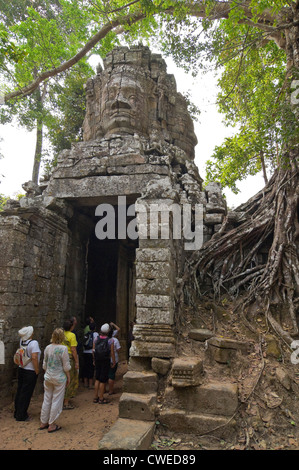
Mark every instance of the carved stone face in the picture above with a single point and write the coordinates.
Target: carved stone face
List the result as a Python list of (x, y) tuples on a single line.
[(124, 105), (134, 94)]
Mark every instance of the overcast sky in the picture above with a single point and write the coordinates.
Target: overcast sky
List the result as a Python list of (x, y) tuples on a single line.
[(17, 146)]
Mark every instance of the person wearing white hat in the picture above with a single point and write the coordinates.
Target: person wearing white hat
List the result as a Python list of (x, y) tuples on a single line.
[(103, 351), (27, 375)]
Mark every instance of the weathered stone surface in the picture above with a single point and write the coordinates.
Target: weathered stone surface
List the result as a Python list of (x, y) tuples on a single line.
[(216, 398), (153, 340), (154, 301), (154, 286), (147, 315), (223, 350), (199, 334), (212, 219), (151, 348), (128, 434), (228, 343), (139, 144), (133, 88), (180, 421), (32, 269), (152, 270), (160, 366), (140, 382), (152, 255), (187, 372), (215, 208), (137, 406), (140, 364)]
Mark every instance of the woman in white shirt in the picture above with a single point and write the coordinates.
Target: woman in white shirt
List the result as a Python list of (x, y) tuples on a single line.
[(57, 366), (27, 375)]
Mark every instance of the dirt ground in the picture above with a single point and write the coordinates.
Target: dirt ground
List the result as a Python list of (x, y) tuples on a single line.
[(82, 427), (267, 417)]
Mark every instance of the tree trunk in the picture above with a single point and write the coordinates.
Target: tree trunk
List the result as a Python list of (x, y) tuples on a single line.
[(232, 260), (39, 99), (38, 150), (263, 167)]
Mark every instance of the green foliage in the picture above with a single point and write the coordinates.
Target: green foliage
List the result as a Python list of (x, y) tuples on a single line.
[(65, 119), (46, 34), (38, 36), (3, 200), (251, 100), (238, 157), (8, 49)]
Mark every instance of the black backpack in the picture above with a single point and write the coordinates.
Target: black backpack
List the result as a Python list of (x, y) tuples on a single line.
[(88, 340), (102, 349)]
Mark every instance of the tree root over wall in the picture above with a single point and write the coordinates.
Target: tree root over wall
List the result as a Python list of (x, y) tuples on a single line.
[(230, 259)]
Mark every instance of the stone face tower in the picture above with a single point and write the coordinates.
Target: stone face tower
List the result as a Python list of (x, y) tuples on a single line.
[(68, 246)]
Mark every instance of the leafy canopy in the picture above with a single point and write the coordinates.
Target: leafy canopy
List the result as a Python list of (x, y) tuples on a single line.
[(41, 41)]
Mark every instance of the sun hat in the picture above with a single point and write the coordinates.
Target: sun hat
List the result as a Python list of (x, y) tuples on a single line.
[(105, 328), (26, 332)]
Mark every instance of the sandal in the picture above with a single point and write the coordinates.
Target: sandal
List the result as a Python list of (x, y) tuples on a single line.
[(43, 427), (103, 402), (57, 428), (96, 400)]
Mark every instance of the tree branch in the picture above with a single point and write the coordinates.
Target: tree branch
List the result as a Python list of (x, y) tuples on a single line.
[(197, 9), (29, 89)]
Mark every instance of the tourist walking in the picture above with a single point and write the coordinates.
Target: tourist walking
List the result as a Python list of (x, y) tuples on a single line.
[(71, 342), (113, 369), (27, 374), (88, 366), (103, 353), (57, 365)]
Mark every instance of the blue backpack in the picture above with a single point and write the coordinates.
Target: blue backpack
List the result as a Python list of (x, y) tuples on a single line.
[(88, 340)]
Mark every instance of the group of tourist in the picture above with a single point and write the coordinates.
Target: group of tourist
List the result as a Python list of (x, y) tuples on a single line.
[(61, 369)]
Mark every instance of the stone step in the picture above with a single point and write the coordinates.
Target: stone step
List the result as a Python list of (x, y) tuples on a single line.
[(213, 398), (137, 406), (228, 343), (223, 350), (140, 382), (200, 334), (196, 423), (128, 434)]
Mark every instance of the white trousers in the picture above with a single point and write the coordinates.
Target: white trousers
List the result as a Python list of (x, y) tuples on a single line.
[(53, 402)]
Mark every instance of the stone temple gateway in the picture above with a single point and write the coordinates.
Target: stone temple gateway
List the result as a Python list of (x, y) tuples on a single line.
[(138, 149)]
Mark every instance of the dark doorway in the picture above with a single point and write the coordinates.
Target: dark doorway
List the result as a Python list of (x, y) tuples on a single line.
[(102, 260), (110, 285)]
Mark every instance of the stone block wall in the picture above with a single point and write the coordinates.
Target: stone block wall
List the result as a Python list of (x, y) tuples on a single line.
[(32, 276)]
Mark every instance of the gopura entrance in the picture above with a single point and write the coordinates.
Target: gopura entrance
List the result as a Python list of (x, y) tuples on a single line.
[(139, 145), (100, 275)]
